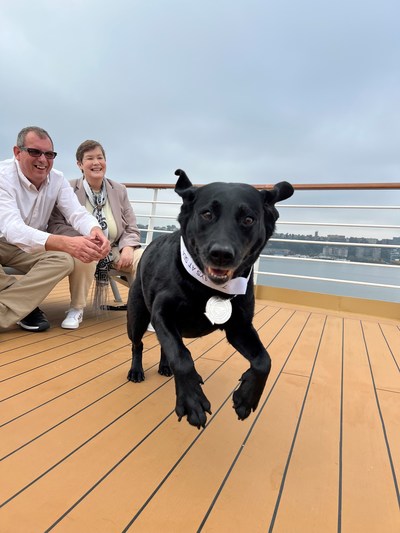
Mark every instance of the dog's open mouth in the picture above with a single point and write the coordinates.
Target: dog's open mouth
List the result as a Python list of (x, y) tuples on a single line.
[(219, 275)]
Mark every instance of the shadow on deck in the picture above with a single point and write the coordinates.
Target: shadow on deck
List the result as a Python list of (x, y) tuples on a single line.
[(84, 450)]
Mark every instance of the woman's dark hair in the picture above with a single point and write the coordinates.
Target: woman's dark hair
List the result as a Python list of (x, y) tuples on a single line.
[(86, 146)]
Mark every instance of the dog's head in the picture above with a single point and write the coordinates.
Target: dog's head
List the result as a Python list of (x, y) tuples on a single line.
[(225, 226)]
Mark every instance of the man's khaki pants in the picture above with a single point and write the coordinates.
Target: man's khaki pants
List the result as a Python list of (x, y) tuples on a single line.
[(20, 295)]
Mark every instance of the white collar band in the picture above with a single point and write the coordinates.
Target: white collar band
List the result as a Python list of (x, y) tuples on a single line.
[(233, 286)]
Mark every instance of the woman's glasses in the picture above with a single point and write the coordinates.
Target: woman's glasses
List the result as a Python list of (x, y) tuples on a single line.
[(34, 152)]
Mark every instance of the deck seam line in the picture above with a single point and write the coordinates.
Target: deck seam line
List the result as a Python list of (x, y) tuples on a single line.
[(387, 390), (341, 418), (296, 374)]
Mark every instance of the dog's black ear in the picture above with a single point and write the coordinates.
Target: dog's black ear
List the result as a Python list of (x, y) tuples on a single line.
[(184, 186), (281, 191)]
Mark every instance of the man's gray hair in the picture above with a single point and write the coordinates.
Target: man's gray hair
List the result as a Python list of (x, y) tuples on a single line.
[(40, 132)]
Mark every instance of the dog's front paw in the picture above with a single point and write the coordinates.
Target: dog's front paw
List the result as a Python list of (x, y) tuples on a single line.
[(247, 396), (136, 374), (192, 403), (195, 408)]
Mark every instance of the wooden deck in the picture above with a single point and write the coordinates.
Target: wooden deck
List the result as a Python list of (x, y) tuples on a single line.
[(84, 450)]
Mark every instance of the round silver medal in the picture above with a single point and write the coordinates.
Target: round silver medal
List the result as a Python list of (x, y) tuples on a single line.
[(218, 310)]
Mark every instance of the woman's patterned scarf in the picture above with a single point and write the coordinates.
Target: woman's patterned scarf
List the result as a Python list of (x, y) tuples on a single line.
[(98, 201)]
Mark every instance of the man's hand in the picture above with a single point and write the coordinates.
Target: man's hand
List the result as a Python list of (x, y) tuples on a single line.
[(86, 249), (98, 237)]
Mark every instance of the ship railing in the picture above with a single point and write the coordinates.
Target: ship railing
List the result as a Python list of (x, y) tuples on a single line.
[(370, 222)]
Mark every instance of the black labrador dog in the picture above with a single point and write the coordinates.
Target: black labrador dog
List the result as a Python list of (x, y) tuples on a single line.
[(198, 279)]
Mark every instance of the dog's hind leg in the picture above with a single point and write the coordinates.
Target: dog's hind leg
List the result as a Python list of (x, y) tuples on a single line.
[(136, 372), (138, 319), (163, 368), (247, 342)]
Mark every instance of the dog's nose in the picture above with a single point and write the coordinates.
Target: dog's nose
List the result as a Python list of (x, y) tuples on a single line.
[(221, 255)]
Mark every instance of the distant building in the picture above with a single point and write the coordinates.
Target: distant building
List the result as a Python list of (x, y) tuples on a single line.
[(373, 254), (337, 238), (276, 251), (334, 252), (395, 255)]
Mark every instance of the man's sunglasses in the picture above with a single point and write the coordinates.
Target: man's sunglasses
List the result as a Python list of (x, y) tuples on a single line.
[(34, 152)]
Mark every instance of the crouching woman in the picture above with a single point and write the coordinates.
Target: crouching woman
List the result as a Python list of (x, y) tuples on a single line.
[(108, 201)]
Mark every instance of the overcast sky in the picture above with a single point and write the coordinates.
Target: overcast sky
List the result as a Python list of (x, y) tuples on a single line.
[(238, 90)]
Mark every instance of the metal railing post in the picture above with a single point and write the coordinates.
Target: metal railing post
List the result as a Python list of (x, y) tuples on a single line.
[(150, 227)]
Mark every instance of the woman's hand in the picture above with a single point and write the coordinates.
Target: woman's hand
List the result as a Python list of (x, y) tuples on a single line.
[(126, 259)]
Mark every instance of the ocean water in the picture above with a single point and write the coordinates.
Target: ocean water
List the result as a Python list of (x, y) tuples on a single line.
[(335, 270)]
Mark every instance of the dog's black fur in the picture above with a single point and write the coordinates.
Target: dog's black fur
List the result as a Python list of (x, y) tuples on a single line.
[(225, 227)]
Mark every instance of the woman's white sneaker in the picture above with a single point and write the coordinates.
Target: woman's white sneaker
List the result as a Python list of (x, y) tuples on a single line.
[(73, 319)]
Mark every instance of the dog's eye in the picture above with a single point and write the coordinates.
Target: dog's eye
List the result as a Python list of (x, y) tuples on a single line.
[(206, 215), (248, 221)]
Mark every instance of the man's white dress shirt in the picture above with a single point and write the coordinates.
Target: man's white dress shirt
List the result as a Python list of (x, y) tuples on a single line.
[(25, 211)]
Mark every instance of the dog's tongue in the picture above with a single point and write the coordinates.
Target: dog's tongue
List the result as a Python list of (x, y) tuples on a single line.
[(218, 275), (218, 272)]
